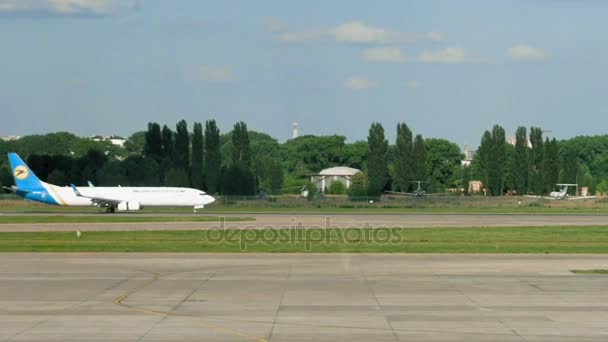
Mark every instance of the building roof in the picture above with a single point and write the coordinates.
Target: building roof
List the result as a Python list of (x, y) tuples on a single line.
[(339, 171)]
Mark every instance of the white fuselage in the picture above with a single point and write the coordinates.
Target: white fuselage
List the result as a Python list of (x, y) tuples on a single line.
[(144, 196)]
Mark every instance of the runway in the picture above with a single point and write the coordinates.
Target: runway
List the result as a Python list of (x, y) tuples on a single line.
[(282, 221), (301, 297)]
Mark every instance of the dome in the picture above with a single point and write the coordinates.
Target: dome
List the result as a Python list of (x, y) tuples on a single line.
[(339, 171)]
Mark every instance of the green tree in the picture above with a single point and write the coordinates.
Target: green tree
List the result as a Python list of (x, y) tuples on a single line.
[(354, 155), (269, 172), (182, 147), (520, 165), (167, 143), (359, 186), (570, 164), (239, 178), (177, 177), (311, 154), (197, 156), (153, 145), (419, 159), (483, 159), (113, 173), (135, 143), (551, 165), (377, 158), (403, 159), (141, 171), (337, 188), (466, 179), (58, 177), (443, 163), (536, 161), (213, 157), (497, 161), (241, 148)]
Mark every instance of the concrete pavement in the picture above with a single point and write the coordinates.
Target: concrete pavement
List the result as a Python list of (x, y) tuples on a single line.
[(301, 297), (338, 221)]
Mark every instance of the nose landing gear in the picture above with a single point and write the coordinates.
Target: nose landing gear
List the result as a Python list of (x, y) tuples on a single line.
[(110, 210)]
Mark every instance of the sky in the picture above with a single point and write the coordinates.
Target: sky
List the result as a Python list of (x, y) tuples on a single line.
[(449, 69)]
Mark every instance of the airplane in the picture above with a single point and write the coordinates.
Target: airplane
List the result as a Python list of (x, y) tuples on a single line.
[(30, 187), (562, 194), (419, 192)]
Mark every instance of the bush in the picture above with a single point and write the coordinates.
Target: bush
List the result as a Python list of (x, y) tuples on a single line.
[(359, 187), (337, 188)]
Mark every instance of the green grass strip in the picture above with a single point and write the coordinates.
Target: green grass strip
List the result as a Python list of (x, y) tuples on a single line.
[(590, 271), (109, 218), (593, 239)]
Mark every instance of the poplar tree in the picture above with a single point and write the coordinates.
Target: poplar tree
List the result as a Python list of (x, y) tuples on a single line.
[(239, 178), (182, 147), (213, 157), (483, 158), (535, 173), (153, 144), (403, 159), (196, 169), (520, 163), (167, 143), (240, 143), (377, 160), (419, 159), (497, 161), (551, 165)]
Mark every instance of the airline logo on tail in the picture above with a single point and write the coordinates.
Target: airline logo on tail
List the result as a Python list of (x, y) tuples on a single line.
[(21, 172)]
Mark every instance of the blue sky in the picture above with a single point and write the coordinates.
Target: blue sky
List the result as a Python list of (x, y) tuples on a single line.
[(447, 68)]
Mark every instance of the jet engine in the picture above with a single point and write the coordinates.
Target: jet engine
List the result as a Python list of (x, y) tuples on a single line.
[(129, 206)]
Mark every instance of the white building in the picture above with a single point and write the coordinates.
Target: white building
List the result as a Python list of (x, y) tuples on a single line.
[(115, 140), (10, 137), (343, 174)]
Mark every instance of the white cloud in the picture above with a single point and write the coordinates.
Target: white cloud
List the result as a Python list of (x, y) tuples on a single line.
[(447, 55), (216, 74), (384, 54), (359, 83), (394, 55), (526, 53), (434, 36), (357, 32), (67, 7), (353, 32)]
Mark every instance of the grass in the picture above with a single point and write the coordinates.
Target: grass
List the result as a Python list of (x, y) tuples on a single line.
[(436, 240), (590, 271), (290, 205), (103, 218)]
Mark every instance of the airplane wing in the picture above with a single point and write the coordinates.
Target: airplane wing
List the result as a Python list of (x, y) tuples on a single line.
[(11, 189), (400, 193), (98, 201), (581, 198), (539, 197)]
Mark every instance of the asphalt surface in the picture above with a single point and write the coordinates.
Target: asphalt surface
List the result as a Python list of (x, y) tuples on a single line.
[(301, 297), (282, 221)]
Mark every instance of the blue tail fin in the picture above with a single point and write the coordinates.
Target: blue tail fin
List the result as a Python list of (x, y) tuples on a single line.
[(25, 179)]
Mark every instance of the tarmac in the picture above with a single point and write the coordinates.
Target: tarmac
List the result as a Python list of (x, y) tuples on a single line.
[(289, 221), (301, 297)]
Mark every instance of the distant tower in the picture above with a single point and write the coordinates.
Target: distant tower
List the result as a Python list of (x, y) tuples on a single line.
[(296, 130)]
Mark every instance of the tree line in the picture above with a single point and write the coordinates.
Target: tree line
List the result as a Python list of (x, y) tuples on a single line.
[(533, 164), (246, 162)]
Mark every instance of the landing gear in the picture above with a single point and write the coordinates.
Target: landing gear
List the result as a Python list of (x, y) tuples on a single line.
[(110, 210)]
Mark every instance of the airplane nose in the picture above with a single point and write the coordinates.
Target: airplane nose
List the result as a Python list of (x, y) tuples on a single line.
[(209, 199)]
